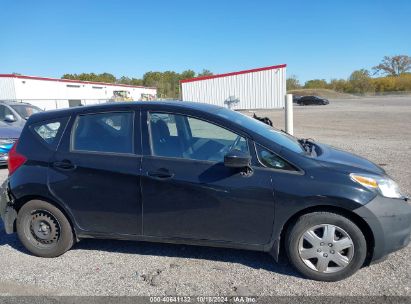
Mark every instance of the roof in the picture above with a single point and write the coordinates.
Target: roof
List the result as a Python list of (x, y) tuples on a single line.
[(119, 105), (273, 67), (13, 102), (71, 81)]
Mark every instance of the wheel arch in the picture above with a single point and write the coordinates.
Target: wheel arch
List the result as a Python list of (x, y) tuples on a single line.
[(278, 251), (20, 202)]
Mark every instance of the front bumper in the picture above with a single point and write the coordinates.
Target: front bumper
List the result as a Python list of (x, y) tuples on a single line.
[(390, 222), (7, 213), (4, 152), (4, 157)]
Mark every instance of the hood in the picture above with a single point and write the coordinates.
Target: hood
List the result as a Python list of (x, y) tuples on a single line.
[(9, 131), (345, 161)]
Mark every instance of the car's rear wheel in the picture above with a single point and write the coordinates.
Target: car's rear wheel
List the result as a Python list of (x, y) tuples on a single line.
[(43, 229), (326, 246)]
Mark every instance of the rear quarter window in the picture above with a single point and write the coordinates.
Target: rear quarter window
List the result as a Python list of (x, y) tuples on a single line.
[(50, 132)]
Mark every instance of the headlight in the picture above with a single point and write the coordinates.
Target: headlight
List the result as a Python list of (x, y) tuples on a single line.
[(384, 185)]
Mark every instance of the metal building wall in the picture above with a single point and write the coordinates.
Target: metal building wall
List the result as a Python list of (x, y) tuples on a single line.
[(49, 93), (262, 88), (7, 90)]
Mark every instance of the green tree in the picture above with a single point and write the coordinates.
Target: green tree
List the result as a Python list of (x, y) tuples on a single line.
[(106, 77), (124, 80), (68, 76), (167, 83), (293, 83), (136, 82), (316, 84), (187, 74), (204, 72), (361, 82), (339, 85)]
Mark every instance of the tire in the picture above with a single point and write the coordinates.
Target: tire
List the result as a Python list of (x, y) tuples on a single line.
[(308, 248), (43, 229)]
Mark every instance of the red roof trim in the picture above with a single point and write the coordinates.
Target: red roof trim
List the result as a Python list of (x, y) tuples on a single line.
[(273, 67), (71, 81)]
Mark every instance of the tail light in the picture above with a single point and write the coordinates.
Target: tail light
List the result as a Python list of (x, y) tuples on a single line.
[(15, 159)]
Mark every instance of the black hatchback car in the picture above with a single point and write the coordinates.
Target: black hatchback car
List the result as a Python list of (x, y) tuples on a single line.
[(198, 174), (312, 100)]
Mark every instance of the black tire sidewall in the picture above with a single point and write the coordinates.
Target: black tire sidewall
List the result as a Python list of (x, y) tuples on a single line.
[(309, 220), (65, 240)]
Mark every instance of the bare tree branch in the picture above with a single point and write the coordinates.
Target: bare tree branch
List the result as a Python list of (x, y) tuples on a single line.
[(393, 65)]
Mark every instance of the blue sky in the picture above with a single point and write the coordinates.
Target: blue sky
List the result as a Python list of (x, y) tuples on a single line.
[(316, 39)]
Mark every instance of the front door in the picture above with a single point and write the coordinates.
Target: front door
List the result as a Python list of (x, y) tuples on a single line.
[(96, 172), (189, 193)]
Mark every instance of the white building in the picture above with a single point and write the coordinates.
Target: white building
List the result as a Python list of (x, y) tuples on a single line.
[(51, 93), (262, 88)]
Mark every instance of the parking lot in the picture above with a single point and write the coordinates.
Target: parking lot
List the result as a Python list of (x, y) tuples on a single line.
[(376, 128)]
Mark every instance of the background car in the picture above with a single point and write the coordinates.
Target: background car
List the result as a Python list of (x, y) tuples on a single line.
[(312, 100), (296, 98), (13, 116), (16, 113), (8, 136)]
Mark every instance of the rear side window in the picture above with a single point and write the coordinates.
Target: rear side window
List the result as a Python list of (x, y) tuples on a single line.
[(50, 131), (104, 132)]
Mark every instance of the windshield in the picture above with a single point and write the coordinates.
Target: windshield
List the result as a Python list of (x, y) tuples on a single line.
[(25, 111), (279, 137)]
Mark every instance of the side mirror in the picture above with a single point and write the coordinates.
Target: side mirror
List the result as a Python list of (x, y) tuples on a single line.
[(237, 159), (10, 118)]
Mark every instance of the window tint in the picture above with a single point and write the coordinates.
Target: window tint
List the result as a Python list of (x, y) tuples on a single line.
[(50, 131), (104, 132), (272, 160), (186, 137)]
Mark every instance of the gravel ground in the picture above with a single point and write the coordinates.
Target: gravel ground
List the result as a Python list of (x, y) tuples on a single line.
[(378, 128)]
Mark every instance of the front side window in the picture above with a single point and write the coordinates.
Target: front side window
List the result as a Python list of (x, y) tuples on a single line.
[(279, 137), (191, 138), (104, 132), (272, 160)]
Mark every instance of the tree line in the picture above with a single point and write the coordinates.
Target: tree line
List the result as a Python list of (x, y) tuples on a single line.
[(391, 75), (167, 83)]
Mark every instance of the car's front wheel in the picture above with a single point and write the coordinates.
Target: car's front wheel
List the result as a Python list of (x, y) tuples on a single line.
[(326, 246), (43, 229)]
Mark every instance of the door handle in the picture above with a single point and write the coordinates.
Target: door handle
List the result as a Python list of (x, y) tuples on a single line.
[(64, 165), (160, 174)]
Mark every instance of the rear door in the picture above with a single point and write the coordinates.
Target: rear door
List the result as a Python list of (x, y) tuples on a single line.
[(96, 172)]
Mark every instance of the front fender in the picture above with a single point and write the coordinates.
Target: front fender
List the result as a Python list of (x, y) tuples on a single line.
[(285, 213)]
